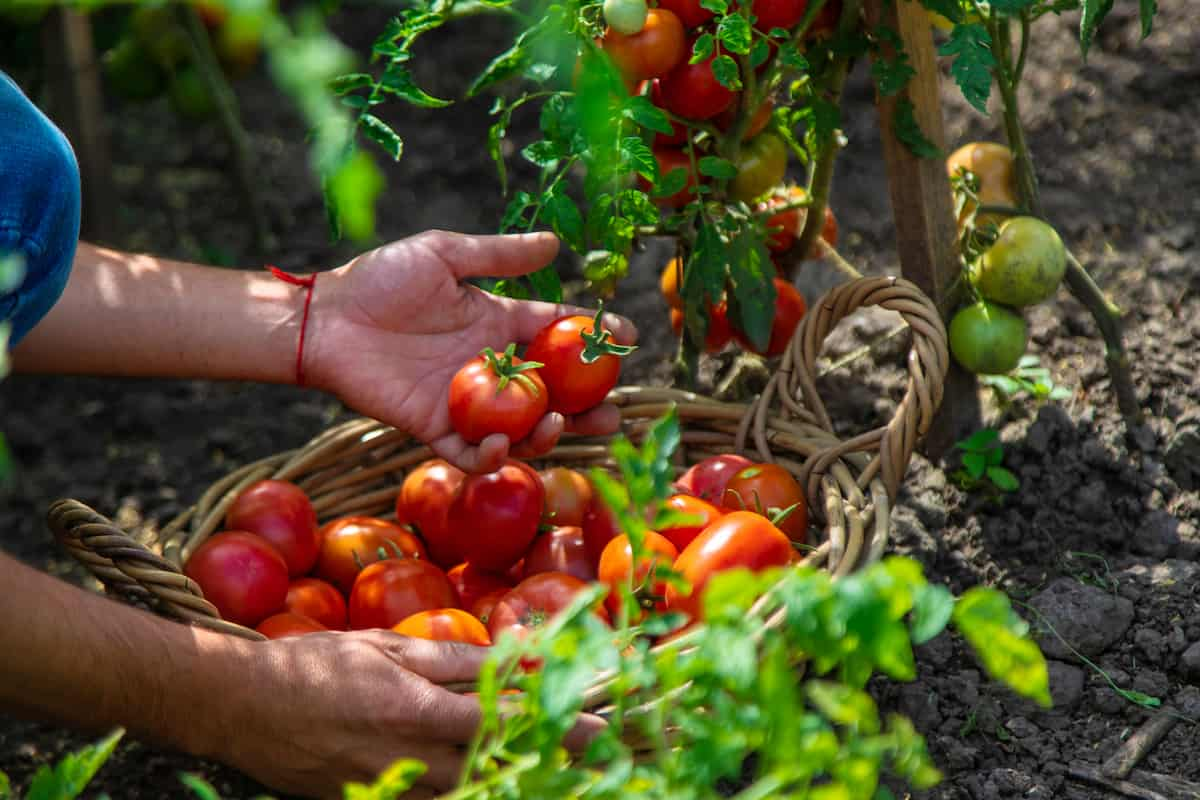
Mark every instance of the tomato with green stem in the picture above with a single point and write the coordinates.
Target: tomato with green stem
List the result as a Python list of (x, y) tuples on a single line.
[(708, 478), (987, 338), (495, 516), (1024, 266), (770, 490), (580, 362), (701, 513), (350, 543), (653, 51), (789, 310), (424, 502), (497, 394), (444, 625), (616, 570), (625, 16), (692, 91), (389, 591), (533, 602), (761, 164)]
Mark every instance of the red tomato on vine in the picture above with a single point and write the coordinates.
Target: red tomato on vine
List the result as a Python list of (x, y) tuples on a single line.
[(652, 51), (692, 91), (789, 310), (580, 363)]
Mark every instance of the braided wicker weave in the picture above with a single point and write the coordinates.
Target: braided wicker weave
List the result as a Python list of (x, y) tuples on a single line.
[(357, 467)]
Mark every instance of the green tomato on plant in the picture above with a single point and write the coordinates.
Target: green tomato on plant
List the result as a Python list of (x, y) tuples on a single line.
[(625, 16), (987, 338), (1024, 266), (761, 164)]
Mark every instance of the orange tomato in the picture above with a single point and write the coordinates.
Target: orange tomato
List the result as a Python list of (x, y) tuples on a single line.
[(445, 625), (616, 567), (317, 600), (287, 624)]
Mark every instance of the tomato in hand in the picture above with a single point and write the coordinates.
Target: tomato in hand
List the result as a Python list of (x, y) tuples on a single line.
[(350, 543), (616, 567), (778, 13), (471, 583), (444, 625), (692, 91), (704, 513), (708, 478), (690, 12), (738, 539), (669, 160), (599, 528), (580, 362), (495, 517), (650, 52), (568, 495), (533, 602), (497, 394), (241, 574), (789, 310), (317, 600), (987, 338), (560, 549), (281, 513), (287, 623), (389, 591), (481, 609), (761, 164), (767, 489), (424, 501), (719, 331)]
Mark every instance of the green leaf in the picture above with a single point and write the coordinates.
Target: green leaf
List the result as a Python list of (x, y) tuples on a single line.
[(398, 81), (843, 705), (752, 301), (1147, 10), (391, 783), (5, 787), (511, 62), (716, 6), (715, 167), (704, 278), (1002, 383), (909, 131), (495, 144), (972, 68), (759, 53), (1013, 7), (1003, 479), (932, 608), (891, 74), (70, 776), (514, 212), (344, 84), (547, 285), (635, 153), (790, 57), (646, 114), (541, 153), (725, 70), (734, 33), (974, 463), (1094, 12), (671, 183), (702, 48), (563, 215), (353, 188), (198, 786), (637, 207), (979, 440), (1001, 640), (381, 133)]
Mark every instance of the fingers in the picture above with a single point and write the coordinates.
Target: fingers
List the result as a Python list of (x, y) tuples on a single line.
[(437, 662), (487, 456), (490, 256), (599, 421), (542, 439)]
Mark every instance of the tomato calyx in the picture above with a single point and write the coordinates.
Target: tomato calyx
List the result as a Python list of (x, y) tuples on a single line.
[(599, 342), (506, 370)]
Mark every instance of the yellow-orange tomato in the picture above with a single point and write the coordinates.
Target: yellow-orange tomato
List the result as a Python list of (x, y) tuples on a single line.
[(616, 565), (444, 625), (669, 282), (995, 167), (287, 624), (349, 544)]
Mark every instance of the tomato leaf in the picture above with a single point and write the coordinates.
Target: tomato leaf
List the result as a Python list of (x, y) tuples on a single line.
[(734, 33), (391, 783), (511, 62), (1094, 12), (1003, 478), (1013, 7), (671, 183), (790, 57), (979, 440), (890, 74), (353, 187), (843, 705), (644, 113), (514, 212), (344, 84), (70, 776), (382, 134), (725, 70), (635, 152), (974, 463), (932, 608), (636, 206), (1147, 9), (715, 167), (752, 301), (398, 81), (495, 142), (715, 6), (972, 68), (1001, 641), (542, 153), (702, 48), (563, 215), (703, 278), (199, 787), (759, 53)]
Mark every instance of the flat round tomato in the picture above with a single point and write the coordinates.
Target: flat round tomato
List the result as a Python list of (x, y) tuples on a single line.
[(1024, 266), (471, 583), (616, 567), (444, 625), (650, 52), (494, 517), (708, 478), (670, 160), (389, 591), (738, 539), (703, 512), (599, 528), (625, 16), (995, 167), (497, 394), (317, 600), (241, 574), (670, 281), (481, 609), (692, 91), (561, 549), (568, 495), (424, 501), (350, 543), (789, 310), (719, 331), (766, 489), (533, 602), (987, 338), (280, 626), (778, 13), (690, 12), (580, 362), (281, 513), (761, 164)]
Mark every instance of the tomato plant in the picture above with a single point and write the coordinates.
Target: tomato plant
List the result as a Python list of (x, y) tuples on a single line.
[(568, 495), (424, 502), (391, 590), (761, 164), (444, 625), (719, 332), (317, 600), (579, 362), (241, 574), (281, 513), (652, 51), (690, 12), (497, 394), (560, 549), (494, 517), (350, 543), (692, 91)]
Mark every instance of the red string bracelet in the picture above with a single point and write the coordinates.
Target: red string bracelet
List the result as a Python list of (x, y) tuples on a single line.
[(308, 282)]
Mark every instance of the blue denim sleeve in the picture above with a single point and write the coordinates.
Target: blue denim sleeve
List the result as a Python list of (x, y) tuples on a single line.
[(39, 208)]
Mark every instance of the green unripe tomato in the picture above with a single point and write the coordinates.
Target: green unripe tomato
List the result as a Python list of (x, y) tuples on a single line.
[(987, 338), (761, 164), (1024, 266), (626, 16)]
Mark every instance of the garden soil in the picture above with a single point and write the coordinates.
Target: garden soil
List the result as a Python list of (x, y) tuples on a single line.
[(1101, 538)]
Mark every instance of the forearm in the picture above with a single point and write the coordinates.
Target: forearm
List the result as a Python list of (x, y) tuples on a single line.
[(85, 661), (140, 316)]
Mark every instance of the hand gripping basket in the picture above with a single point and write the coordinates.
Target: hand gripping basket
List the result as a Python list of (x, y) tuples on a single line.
[(357, 467)]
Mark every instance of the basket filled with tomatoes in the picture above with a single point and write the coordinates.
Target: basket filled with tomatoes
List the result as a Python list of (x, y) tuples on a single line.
[(364, 528)]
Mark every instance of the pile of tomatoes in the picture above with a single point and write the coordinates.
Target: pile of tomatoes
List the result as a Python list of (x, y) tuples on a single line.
[(468, 557)]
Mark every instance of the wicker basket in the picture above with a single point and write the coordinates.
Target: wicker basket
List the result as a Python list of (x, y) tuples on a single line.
[(357, 467)]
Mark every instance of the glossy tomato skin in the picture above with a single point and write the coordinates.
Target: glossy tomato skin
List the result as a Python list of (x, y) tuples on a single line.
[(765, 487), (281, 513), (471, 583), (481, 609), (690, 12), (784, 226), (669, 160), (650, 52), (761, 163), (574, 385), (692, 91), (670, 281), (444, 625), (389, 591), (719, 332), (789, 310), (995, 167), (533, 602), (561, 549), (679, 132), (599, 528), (241, 574), (350, 543), (708, 478), (616, 567), (317, 600), (988, 338), (568, 495), (494, 517), (704, 512), (424, 501), (738, 539), (479, 407), (287, 623), (778, 13)]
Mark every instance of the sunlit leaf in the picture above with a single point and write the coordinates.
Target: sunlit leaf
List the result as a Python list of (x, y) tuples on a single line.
[(1001, 640)]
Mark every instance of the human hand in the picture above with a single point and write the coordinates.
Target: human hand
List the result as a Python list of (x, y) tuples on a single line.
[(391, 328)]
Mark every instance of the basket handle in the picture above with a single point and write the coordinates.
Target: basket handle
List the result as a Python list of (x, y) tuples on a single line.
[(130, 569)]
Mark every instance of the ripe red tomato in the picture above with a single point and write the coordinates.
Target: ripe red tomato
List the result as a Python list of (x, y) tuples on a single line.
[(287, 623), (690, 12), (424, 501), (758, 122), (764, 488), (317, 600), (444, 625), (471, 583), (679, 132), (704, 512), (707, 479), (351, 543), (761, 163), (241, 574), (652, 51), (599, 528), (482, 608), (829, 231), (494, 517), (388, 591), (789, 310), (580, 362), (784, 226), (738, 539), (692, 91), (719, 331), (670, 160), (616, 565), (778, 13), (281, 513), (568, 495), (561, 549), (533, 602), (497, 394)]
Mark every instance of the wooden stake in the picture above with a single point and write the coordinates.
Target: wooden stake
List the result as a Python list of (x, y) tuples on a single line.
[(1135, 748)]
